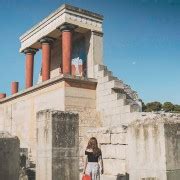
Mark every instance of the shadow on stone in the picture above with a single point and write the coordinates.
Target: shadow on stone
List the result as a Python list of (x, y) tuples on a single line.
[(122, 177)]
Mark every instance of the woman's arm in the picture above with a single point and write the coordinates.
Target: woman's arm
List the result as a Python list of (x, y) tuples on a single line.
[(101, 164), (85, 164)]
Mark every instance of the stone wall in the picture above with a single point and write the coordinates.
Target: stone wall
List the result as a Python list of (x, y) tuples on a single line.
[(18, 115), (57, 145), (153, 143), (18, 112), (83, 102), (172, 146), (9, 156), (112, 141), (146, 148)]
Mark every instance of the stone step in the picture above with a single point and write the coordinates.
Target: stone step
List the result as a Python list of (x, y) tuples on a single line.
[(114, 84), (99, 67), (106, 79), (103, 73), (110, 97)]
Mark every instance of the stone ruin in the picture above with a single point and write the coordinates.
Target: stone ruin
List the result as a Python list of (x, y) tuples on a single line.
[(77, 97)]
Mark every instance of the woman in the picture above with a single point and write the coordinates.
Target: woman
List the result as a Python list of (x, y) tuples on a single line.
[(93, 157)]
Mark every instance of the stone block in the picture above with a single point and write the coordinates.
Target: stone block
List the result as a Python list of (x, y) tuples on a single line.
[(83, 130), (118, 138), (119, 129), (127, 109), (106, 79), (108, 177), (113, 151), (101, 138), (102, 130), (114, 167), (9, 157), (76, 101), (103, 73), (89, 117), (114, 84), (99, 67), (57, 145), (81, 93)]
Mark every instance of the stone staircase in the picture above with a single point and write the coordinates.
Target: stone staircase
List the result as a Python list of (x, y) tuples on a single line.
[(115, 99)]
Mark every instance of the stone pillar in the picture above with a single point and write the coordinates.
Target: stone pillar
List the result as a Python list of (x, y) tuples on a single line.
[(2, 95), (57, 145), (14, 87), (67, 30), (30, 52), (46, 57)]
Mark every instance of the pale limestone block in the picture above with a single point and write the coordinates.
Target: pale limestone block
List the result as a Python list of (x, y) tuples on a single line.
[(117, 103), (81, 93), (116, 117), (99, 67), (118, 138), (127, 118), (76, 101), (114, 84), (114, 166), (113, 151), (100, 87), (106, 79), (127, 109), (109, 112), (103, 138), (89, 117), (103, 73), (108, 177), (119, 129), (120, 102), (120, 110), (102, 130), (83, 130), (104, 92)]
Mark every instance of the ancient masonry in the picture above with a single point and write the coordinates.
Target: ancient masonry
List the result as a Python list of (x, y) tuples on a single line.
[(77, 97)]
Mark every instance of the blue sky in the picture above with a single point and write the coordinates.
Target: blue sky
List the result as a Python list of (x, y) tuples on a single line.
[(141, 42)]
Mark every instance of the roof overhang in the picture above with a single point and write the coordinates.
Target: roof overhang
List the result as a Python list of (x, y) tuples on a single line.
[(83, 19)]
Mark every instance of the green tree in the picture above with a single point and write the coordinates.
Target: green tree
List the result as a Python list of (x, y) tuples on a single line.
[(168, 107), (153, 106), (177, 108)]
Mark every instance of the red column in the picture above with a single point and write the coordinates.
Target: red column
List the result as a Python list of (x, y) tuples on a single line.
[(2, 95), (29, 66), (67, 30), (14, 87), (46, 57)]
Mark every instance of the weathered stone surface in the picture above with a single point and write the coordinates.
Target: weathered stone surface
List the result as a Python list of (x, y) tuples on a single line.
[(108, 177), (9, 157), (114, 166), (57, 145), (119, 129), (102, 130), (114, 151), (118, 138), (172, 143), (153, 143)]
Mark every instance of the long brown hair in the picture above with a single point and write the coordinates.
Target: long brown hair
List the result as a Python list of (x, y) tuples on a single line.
[(93, 144)]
